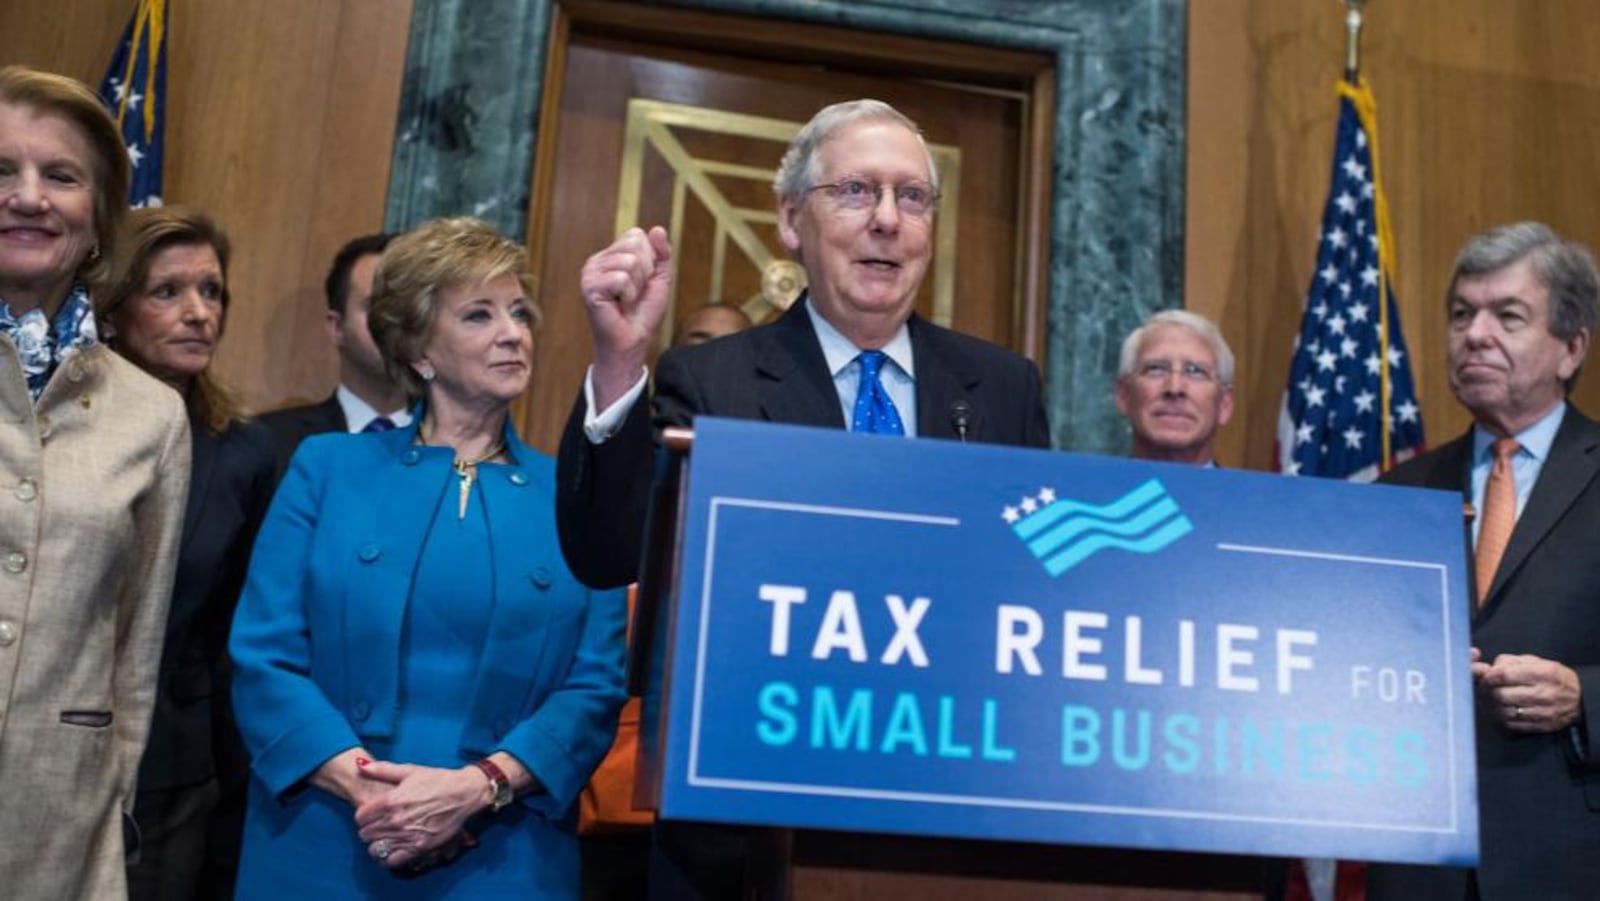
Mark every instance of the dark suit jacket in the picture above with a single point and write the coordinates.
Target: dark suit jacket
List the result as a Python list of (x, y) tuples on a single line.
[(777, 373), (292, 425), (1538, 795), (192, 735)]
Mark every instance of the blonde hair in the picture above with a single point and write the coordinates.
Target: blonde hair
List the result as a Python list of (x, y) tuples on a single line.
[(437, 255), (144, 234), (57, 95)]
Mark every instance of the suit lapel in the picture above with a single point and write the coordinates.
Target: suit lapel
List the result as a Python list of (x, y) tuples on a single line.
[(203, 460), (517, 637), (793, 382), (1565, 475), (942, 379), (330, 415)]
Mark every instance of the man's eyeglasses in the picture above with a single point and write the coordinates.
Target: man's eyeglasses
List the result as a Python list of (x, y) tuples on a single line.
[(912, 198), (1161, 370)]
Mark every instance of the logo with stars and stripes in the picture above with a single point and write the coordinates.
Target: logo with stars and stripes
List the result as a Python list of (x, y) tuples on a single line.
[(1062, 532)]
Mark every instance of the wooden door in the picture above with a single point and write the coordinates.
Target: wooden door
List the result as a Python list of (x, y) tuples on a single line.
[(657, 128)]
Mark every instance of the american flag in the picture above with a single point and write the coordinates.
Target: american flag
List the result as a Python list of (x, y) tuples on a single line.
[(135, 88), (1350, 363)]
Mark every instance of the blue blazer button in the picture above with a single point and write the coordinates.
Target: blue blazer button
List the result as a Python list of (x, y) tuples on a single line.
[(361, 710), (369, 553), (519, 479), (410, 457), (540, 577)]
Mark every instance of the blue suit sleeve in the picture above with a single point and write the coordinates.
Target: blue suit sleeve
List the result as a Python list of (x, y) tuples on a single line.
[(566, 737), (289, 726)]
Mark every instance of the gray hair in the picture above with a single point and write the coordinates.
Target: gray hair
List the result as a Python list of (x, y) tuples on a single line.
[(1194, 322), (801, 168), (1565, 267)]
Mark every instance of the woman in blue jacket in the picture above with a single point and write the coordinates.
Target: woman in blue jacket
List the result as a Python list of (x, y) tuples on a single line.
[(422, 685)]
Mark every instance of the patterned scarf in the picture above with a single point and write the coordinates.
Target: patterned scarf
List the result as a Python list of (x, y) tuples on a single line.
[(43, 344)]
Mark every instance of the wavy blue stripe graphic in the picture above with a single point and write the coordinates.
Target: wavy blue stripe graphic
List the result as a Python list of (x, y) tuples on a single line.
[(1151, 543), (1117, 509), (1147, 519)]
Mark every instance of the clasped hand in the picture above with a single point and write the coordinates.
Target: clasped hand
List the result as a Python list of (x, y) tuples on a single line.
[(418, 812), (1527, 694)]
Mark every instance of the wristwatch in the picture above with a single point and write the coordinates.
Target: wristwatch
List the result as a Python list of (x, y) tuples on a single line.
[(498, 784)]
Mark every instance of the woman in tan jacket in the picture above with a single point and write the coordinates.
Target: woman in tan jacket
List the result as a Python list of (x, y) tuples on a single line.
[(94, 469)]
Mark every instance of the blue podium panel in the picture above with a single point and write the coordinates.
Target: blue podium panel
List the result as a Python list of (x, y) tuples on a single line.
[(973, 641)]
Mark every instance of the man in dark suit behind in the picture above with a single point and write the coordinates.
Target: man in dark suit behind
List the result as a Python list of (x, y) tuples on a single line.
[(857, 191), (1522, 306), (366, 399)]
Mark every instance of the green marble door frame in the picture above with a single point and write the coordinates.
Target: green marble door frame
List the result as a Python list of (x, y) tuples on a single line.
[(469, 113)]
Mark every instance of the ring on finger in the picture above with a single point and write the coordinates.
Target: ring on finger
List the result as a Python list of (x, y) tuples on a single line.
[(1516, 712), (380, 849)]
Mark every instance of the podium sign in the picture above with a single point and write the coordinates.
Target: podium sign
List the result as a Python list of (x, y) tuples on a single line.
[(941, 639)]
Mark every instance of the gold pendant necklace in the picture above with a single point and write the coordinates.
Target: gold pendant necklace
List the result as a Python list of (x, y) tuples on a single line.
[(467, 472)]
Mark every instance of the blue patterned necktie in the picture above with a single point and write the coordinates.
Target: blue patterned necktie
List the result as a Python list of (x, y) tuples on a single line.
[(875, 413), (379, 424)]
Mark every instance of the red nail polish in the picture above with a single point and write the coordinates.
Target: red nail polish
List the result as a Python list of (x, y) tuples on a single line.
[(362, 761)]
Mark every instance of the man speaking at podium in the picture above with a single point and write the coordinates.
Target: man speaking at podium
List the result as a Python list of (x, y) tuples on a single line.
[(857, 192)]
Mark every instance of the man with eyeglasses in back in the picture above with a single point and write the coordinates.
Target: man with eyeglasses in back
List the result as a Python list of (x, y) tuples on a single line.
[(857, 192), (1175, 387)]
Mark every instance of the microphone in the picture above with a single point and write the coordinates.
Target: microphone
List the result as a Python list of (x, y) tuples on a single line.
[(961, 418)]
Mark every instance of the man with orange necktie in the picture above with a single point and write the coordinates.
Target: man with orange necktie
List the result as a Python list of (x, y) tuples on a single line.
[(1522, 308)]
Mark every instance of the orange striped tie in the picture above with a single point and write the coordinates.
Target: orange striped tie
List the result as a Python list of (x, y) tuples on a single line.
[(1499, 515)]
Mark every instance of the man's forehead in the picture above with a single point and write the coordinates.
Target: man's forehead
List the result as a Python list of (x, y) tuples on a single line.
[(870, 141), (1174, 333), (1513, 282)]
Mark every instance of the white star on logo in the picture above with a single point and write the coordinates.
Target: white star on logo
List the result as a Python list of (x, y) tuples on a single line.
[(1047, 495), (1028, 505), (1010, 514)]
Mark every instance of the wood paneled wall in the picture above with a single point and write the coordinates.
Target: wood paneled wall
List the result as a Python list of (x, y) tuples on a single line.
[(1489, 112), (280, 121), (283, 114)]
